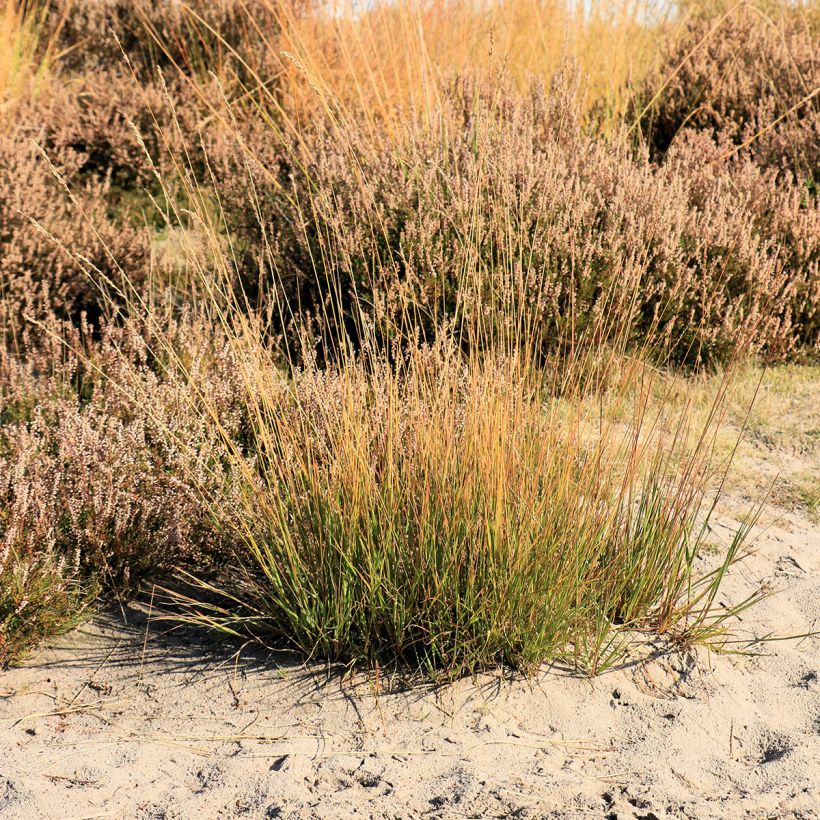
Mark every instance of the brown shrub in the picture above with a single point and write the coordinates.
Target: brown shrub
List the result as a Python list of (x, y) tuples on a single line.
[(107, 121), (506, 203), (38, 222), (42, 592), (750, 72), (196, 38), (781, 212), (104, 456)]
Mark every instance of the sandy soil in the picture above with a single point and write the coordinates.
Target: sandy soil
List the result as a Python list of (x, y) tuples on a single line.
[(117, 721)]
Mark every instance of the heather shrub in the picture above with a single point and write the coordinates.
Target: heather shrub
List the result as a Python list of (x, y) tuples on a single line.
[(107, 121), (196, 37), (104, 448), (750, 77), (781, 213), (497, 194), (81, 223), (41, 590), (39, 222), (552, 209)]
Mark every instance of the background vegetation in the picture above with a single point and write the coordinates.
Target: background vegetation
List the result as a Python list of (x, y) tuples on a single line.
[(368, 319)]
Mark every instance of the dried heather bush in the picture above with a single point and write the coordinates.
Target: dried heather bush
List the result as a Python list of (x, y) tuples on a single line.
[(498, 201), (778, 210), (196, 38), (36, 273), (752, 70), (108, 120), (106, 450), (97, 132)]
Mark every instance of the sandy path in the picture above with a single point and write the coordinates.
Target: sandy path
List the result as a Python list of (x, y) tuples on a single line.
[(169, 730)]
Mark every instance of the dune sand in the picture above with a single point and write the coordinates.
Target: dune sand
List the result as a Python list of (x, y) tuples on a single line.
[(117, 721)]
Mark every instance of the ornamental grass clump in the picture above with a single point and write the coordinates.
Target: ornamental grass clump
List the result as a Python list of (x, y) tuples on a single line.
[(446, 479), (28, 50), (455, 513)]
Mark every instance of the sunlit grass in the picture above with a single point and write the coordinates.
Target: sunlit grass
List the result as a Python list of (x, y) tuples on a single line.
[(453, 503), (387, 56), (40, 596), (27, 50)]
